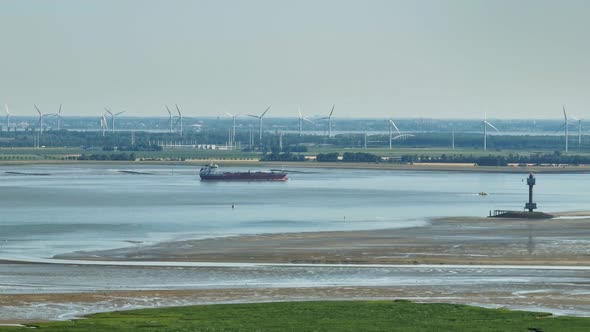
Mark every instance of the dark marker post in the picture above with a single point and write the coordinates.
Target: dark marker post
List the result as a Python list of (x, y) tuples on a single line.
[(530, 181)]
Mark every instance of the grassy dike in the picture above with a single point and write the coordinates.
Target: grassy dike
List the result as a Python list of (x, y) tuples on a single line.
[(319, 316)]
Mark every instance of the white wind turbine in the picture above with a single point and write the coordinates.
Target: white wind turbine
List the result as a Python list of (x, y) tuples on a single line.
[(169, 118), (485, 125), (579, 125), (179, 121), (41, 115), (566, 125), (8, 115), (233, 130), (329, 118), (59, 117), (391, 127), (104, 125), (113, 116), (301, 119), (579, 131), (259, 117)]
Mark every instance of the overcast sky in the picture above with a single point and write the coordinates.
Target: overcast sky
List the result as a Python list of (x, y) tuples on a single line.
[(440, 59)]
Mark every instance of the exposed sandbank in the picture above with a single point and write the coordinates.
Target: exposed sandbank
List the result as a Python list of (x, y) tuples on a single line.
[(458, 240)]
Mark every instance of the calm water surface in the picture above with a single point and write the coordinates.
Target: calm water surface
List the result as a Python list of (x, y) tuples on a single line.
[(92, 207)]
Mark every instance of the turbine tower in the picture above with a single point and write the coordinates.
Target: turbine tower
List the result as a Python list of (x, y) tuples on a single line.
[(485, 124), (259, 117), (179, 119), (232, 142), (391, 127), (329, 118)]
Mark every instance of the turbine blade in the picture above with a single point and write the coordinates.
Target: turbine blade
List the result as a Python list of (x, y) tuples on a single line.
[(265, 112), (59, 111), (254, 116), (560, 128), (491, 125), (108, 111), (37, 108), (394, 126), (168, 109), (120, 113), (332, 111), (178, 110)]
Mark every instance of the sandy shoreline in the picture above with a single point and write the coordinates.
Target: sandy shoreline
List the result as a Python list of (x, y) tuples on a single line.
[(460, 240)]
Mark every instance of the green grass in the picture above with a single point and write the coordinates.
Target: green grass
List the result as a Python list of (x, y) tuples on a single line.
[(319, 316)]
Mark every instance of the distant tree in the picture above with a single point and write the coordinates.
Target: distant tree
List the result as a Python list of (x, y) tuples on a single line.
[(327, 157)]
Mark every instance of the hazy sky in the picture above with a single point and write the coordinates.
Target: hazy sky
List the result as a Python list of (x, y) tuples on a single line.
[(386, 58)]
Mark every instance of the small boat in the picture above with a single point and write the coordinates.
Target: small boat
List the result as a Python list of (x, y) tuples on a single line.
[(211, 173), (482, 193)]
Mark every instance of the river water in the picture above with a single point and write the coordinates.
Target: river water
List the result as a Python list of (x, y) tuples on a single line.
[(73, 208)]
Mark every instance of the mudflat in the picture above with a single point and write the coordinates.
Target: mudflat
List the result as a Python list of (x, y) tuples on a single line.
[(564, 240)]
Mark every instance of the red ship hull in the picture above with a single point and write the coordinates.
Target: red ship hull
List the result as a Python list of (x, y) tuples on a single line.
[(245, 176)]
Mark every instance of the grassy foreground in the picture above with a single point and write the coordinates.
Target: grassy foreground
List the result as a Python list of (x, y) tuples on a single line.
[(320, 316)]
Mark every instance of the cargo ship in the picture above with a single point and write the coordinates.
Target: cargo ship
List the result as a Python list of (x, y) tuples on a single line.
[(212, 173)]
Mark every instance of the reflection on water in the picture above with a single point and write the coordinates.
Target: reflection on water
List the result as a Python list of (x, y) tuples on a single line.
[(93, 207)]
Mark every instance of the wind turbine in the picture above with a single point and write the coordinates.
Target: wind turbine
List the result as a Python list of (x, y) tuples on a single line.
[(59, 117), (113, 116), (300, 119), (8, 115), (566, 125), (169, 118), (579, 121), (485, 125), (41, 115), (579, 131), (259, 117), (104, 125), (391, 127), (179, 118), (233, 133), (329, 118)]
